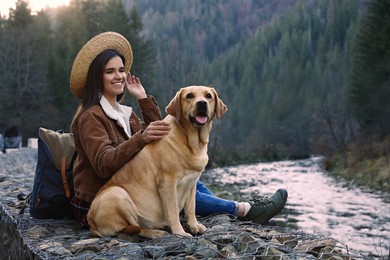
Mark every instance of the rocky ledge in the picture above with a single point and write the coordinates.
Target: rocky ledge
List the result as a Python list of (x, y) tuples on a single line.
[(23, 237)]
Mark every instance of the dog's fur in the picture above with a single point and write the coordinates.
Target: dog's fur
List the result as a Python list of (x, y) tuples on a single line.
[(148, 193)]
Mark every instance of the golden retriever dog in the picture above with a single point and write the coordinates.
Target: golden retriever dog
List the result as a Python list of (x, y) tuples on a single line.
[(148, 193)]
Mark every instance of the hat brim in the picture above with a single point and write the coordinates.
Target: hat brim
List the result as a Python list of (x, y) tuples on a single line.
[(95, 46)]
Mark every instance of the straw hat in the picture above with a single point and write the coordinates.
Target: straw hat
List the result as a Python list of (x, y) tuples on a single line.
[(96, 45)]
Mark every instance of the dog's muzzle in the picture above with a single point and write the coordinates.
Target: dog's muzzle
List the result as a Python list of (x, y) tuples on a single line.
[(201, 115)]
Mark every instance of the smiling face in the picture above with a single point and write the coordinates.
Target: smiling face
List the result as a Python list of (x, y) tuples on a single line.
[(114, 77)]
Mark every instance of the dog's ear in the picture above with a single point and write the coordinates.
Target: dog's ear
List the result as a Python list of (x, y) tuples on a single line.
[(174, 107), (220, 107)]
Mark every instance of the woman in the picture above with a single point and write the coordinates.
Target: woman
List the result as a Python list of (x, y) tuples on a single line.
[(108, 134)]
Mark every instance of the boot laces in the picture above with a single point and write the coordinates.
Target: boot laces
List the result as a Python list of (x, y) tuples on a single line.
[(259, 201)]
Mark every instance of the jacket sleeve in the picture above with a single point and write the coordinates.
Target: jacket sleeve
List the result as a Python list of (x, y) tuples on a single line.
[(149, 109), (106, 153)]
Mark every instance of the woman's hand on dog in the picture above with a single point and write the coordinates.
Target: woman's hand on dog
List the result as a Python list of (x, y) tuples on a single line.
[(155, 131)]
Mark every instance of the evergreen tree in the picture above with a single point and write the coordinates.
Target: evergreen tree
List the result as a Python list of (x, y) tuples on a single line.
[(68, 36), (24, 76), (370, 89), (3, 74), (143, 54)]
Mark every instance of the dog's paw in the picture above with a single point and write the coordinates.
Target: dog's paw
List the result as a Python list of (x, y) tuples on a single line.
[(197, 229), (188, 235), (184, 234), (153, 233)]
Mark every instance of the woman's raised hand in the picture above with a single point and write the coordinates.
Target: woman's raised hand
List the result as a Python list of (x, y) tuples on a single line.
[(134, 86)]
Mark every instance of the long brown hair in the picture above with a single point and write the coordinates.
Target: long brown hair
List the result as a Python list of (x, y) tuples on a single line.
[(93, 88)]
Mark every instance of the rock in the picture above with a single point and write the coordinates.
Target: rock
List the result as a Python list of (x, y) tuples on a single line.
[(205, 249), (272, 253), (314, 246), (36, 232), (229, 252)]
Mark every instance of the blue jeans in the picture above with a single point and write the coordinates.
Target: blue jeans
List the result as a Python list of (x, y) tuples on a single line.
[(207, 203)]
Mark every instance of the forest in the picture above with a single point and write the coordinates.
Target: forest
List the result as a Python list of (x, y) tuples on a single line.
[(299, 77)]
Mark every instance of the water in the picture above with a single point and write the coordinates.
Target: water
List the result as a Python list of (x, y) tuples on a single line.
[(319, 203)]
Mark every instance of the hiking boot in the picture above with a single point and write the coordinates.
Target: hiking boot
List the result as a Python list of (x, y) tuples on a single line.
[(263, 209)]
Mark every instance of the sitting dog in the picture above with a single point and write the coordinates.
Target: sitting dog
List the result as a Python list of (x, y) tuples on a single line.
[(148, 192)]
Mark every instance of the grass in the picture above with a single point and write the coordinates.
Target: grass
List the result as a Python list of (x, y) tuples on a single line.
[(366, 163)]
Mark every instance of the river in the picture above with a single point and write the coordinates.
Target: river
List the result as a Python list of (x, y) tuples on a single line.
[(318, 202)]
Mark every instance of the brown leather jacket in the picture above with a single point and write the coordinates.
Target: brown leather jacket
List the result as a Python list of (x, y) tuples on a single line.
[(103, 147)]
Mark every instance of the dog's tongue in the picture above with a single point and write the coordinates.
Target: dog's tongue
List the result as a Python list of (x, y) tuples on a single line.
[(201, 119)]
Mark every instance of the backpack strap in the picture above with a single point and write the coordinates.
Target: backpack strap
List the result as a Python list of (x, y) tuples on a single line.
[(63, 176)]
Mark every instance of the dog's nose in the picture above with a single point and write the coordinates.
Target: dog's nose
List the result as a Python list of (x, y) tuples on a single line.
[(201, 105)]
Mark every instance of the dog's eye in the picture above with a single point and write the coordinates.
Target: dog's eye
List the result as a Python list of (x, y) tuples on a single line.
[(208, 95), (190, 95)]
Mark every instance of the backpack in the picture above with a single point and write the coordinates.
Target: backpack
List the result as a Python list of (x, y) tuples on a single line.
[(53, 181)]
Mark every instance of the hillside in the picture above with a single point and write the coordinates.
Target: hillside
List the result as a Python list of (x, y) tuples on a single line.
[(282, 67)]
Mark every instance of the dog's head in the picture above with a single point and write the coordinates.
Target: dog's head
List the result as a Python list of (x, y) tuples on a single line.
[(198, 104)]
